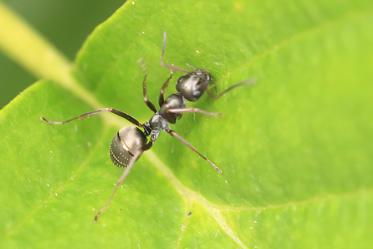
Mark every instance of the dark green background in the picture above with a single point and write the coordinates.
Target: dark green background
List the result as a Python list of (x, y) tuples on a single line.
[(65, 24)]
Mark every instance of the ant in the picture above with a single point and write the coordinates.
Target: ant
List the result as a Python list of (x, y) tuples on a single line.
[(130, 142)]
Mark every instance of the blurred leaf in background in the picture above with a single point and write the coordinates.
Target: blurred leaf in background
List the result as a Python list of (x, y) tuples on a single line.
[(65, 23)]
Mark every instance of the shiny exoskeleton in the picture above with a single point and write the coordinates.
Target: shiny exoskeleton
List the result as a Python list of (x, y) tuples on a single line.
[(130, 142)]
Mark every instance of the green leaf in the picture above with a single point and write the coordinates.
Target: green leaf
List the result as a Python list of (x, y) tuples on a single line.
[(296, 149)]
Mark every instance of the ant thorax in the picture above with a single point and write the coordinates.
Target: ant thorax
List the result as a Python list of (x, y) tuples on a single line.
[(155, 125)]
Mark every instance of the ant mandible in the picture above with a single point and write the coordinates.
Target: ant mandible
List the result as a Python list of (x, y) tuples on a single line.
[(130, 142)]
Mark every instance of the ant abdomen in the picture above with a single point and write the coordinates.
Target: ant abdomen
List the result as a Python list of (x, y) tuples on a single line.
[(194, 84), (128, 141)]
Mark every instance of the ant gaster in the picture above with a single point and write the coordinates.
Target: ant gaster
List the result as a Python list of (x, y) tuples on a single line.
[(130, 142)]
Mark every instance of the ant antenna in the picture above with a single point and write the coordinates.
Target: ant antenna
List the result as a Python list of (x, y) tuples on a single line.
[(170, 67)]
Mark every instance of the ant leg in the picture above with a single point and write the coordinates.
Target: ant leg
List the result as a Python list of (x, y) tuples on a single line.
[(170, 67), (88, 114), (163, 88), (148, 103), (193, 110), (119, 183), (239, 84), (190, 146), (148, 145)]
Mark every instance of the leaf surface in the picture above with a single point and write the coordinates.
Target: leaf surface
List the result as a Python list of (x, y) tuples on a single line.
[(296, 148)]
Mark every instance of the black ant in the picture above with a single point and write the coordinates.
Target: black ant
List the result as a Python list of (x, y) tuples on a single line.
[(130, 142)]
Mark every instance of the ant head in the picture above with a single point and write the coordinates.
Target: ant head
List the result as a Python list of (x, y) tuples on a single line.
[(193, 84), (128, 142)]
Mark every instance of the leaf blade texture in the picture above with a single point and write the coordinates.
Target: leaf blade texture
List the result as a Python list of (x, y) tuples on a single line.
[(295, 148)]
